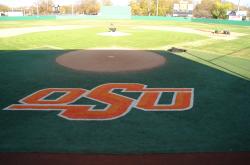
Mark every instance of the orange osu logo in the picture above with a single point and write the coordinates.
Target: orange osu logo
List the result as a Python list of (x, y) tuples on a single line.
[(117, 105)]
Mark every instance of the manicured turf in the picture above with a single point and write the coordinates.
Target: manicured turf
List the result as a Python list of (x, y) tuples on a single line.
[(218, 71), (89, 38), (218, 121), (237, 50)]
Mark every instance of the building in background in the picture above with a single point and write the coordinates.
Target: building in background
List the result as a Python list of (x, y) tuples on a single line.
[(12, 13), (237, 15)]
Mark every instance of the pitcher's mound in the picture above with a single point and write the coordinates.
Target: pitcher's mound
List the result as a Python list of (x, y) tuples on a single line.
[(111, 60), (114, 34)]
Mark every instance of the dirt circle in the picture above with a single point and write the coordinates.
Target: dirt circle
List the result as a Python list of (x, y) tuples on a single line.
[(110, 60), (114, 34)]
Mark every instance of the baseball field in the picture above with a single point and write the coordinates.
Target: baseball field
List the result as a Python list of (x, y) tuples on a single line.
[(71, 86)]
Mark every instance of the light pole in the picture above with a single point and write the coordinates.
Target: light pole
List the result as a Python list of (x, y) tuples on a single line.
[(239, 6), (72, 8), (37, 8), (157, 7), (47, 6)]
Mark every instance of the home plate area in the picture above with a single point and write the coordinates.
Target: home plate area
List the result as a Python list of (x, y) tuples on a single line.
[(174, 105)]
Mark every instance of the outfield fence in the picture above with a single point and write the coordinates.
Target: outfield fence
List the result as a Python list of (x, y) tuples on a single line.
[(100, 17), (161, 18), (198, 20), (27, 18), (220, 21)]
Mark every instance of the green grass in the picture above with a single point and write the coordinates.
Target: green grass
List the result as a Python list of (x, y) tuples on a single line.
[(234, 55), (89, 38), (218, 122)]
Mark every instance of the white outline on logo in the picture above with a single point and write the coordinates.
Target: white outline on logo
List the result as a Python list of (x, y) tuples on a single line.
[(87, 92)]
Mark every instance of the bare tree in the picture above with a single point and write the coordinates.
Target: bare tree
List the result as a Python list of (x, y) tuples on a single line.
[(44, 7), (204, 8), (4, 8), (149, 7), (88, 7), (66, 9), (107, 3)]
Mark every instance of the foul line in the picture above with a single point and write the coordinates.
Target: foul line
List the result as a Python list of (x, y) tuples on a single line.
[(233, 72), (230, 53)]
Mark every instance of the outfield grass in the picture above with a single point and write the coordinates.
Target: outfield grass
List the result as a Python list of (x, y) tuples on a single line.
[(231, 56), (89, 38)]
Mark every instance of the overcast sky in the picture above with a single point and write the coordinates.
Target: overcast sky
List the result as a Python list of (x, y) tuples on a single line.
[(16, 3)]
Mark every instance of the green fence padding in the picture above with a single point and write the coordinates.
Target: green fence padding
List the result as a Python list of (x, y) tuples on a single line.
[(22, 18), (59, 17), (157, 18), (198, 20), (221, 21), (121, 12)]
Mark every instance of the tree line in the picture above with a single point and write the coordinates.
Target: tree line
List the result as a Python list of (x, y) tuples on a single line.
[(47, 7), (207, 8), (213, 9)]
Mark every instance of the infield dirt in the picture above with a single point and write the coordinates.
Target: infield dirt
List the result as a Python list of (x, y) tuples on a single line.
[(111, 60)]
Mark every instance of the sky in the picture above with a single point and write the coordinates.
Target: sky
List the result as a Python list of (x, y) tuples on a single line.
[(16, 3)]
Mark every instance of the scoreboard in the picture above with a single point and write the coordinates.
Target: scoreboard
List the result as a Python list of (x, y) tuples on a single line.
[(183, 9)]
